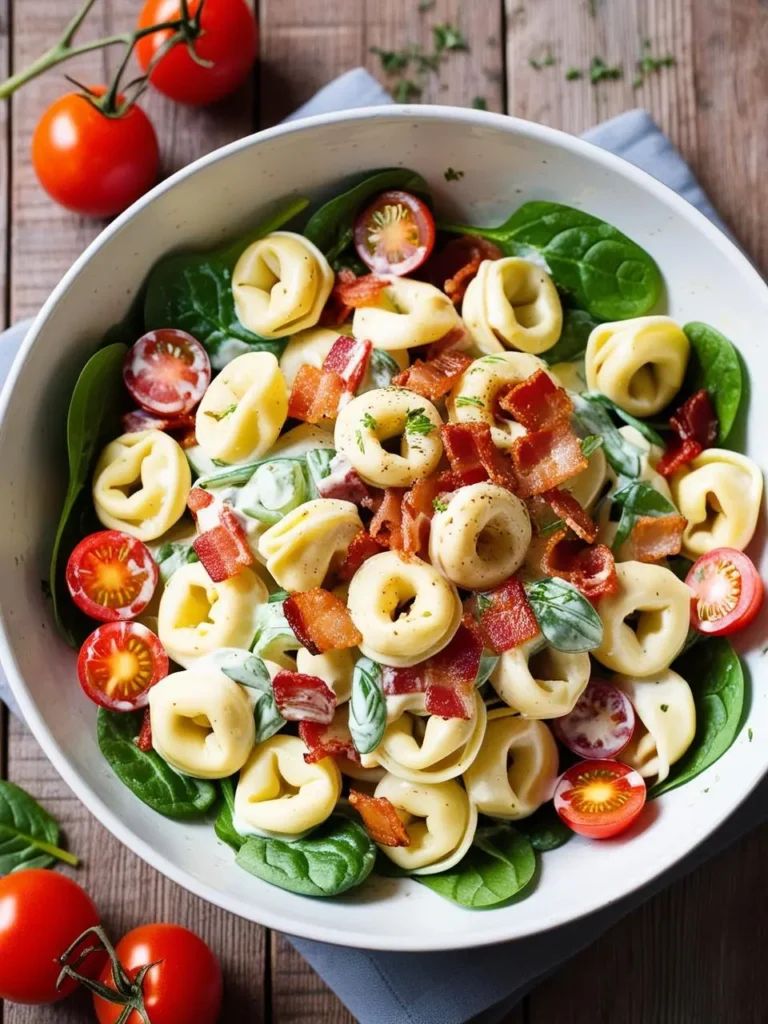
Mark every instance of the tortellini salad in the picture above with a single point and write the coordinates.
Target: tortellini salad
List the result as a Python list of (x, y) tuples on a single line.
[(425, 522)]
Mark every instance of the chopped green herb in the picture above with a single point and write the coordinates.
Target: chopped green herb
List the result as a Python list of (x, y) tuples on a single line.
[(417, 422), (406, 90), (572, 74), (599, 71), (483, 604), (451, 175), (544, 62), (664, 707), (369, 421), (649, 63), (750, 734), (359, 439), (439, 506), (426, 5), (480, 103), (590, 444), (463, 400), (392, 60), (449, 37), (637, 81), (553, 527), (219, 416), (424, 61)]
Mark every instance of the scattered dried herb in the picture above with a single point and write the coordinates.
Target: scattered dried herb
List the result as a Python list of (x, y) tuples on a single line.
[(599, 71), (451, 175)]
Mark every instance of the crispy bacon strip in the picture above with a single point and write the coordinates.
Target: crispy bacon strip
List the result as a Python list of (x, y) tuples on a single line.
[(396, 681), (303, 698), (565, 506), (590, 568), (349, 358), (474, 457), (434, 378), (451, 673), (546, 458), (223, 549), (695, 425), (677, 453), (387, 524), (144, 739), (343, 482), (656, 537), (380, 818), (321, 621), (332, 740), (197, 499), (505, 617), (456, 339), (418, 508), (363, 547), (315, 394), (537, 402), (351, 292), (455, 266)]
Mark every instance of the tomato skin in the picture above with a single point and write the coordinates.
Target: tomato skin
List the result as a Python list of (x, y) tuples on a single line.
[(41, 914), (185, 987), (167, 372), (90, 163), (229, 39), (728, 591), (119, 663), (599, 799), (116, 567), (404, 242)]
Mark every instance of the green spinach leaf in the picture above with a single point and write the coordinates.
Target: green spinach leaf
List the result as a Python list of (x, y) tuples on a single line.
[(651, 435), (335, 857), (566, 618), (245, 668), (147, 775), (572, 344), (267, 717), (29, 835), (545, 829), (715, 366), (274, 636), (638, 498), (594, 419), (173, 556), (382, 369), (224, 825), (367, 706), (488, 662)]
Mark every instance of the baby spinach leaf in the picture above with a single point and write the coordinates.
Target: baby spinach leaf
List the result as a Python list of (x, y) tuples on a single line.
[(332, 226), (714, 673), (566, 618), (651, 435), (224, 825), (607, 274), (715, 366), (147, 775), (590, 444), (245, 668), (238, 476), (274, 636), (545, 829), (594, 419), (93, 413), (337, 856), (488, 662), (367, 706), (382, 368), (572, 344), (638, 498), (319, 465), (173, 556), (500, 864), (267, 717), (680, 565), (29, 835)]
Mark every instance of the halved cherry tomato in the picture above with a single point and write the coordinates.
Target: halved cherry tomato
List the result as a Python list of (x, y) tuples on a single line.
[(395, 234), (600, 725), (111, 576), (599, 799), (119, 663), (167, 372), (728, 592)]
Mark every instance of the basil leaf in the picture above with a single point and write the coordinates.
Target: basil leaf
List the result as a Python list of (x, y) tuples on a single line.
[(572, 343), (224, 825), (147, 775), (590, 444), (274, 636), (566, 618), (651, 435), (500, 864), (367, 706), (336, 857), (382, 369), (607, 274), (638, 498), (267, 718), (319, 466), (276, 488), (545, 829), (714, 672), (715, 366), (245, 668), (488, 662), (29, 835), (278, 597), (623, 456), (173, 556), (92, 416)]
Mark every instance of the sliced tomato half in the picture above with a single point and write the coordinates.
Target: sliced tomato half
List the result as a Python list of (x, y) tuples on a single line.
[(111, 576), (395, 234), (600, 725), (119, 663), (728, 592), (167, 372), (599, 799)]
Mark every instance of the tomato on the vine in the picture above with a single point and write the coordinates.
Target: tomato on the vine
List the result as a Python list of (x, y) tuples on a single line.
[(728, 592), (226, 49), (395, 234), (599, 799), (119, 663), (90, 162)]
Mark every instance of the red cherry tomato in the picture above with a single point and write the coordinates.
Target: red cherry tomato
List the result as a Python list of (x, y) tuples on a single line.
[(728, 592), (395, 234), (90, 163), (41, 915), (167, 372), (228, 44), (599, 799), (119, 663), (111, 576), (600, 725), (183, 987)]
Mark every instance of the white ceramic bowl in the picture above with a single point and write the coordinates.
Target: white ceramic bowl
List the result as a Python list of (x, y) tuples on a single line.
[(506, 162)]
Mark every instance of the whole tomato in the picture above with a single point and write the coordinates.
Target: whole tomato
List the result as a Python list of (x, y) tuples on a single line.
[(228, 43), (90, 162)]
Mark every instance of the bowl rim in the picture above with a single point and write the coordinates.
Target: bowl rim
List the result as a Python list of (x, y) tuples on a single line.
[(240, 906)]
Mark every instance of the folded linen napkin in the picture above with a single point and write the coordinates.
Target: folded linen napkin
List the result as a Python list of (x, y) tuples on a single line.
[(483, 984)]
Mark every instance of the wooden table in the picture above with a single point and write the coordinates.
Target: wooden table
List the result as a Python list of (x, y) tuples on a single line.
[(696, 953)]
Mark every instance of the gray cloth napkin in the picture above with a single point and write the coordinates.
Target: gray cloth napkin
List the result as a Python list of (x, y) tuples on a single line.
[(484, 984)]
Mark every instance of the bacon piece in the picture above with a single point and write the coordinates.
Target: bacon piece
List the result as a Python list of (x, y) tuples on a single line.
[(457, 338), (695, 425), (474, 457), (434, 378), (505, 617), (351, 292), (590, 568), (321, 621), (677, 453), (363, 547), (332, 740), (343, 482), (396, 681), (349, 358), (656, 537), (565, 506), (223, 549), (380, 818), (197, 499), (315, 394), (303, 698), (418, 508), (537, 402), (451, 673), (387, 524), (544, 459), (453, 268), (144, 739)]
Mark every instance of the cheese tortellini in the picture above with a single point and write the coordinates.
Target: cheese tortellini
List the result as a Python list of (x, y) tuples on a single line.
[(539, 681), (369, 421), (719, 493), (280, 285), (202, 723), (243, 410), (141, 484), (333, 667), (309, 542), (440, 821), (409, 313), (309, 348), (198, 616), (481, 538), (406, 611), (659, 605), (639, 364), (512, 303), (664, 704), (279, 794), (516, 769)]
